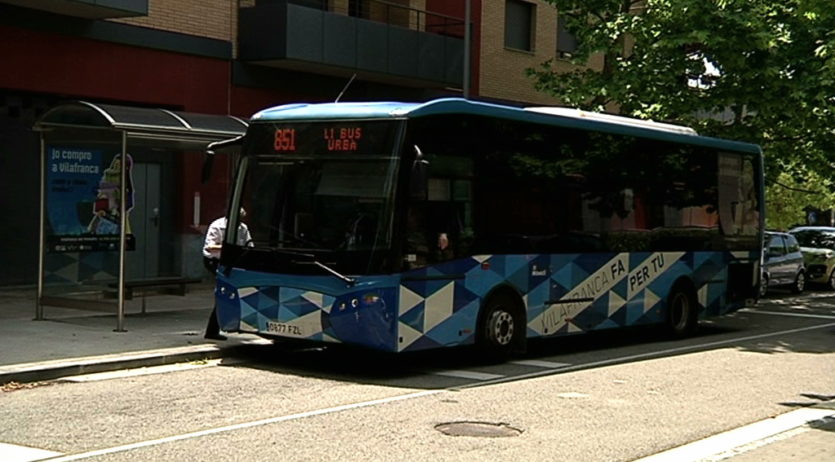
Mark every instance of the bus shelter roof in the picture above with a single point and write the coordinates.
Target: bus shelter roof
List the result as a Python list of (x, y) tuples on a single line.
[(184, 128)]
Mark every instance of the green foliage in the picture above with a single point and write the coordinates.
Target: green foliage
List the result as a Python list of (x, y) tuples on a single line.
[(788, 196), (766, 66)]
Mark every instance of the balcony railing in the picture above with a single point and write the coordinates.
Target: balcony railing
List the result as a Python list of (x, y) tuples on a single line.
[(385, 12), (382, 39)]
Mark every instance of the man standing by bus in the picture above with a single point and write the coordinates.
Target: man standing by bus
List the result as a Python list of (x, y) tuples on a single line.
[(211, 257)]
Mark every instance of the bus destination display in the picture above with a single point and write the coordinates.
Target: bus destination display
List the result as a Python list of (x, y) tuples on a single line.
[(335, 139), (329, 138)]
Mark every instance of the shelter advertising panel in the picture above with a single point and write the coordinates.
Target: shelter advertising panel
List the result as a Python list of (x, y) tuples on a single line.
[(83, 199)]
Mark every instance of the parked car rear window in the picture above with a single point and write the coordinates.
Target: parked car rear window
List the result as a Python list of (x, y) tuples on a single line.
[(775, 246), (816, 238), (792, 244)]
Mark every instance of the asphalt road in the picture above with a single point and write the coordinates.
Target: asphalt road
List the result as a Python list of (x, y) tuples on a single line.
[(614, 396)]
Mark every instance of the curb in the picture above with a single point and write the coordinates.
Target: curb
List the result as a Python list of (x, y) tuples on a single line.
[(732, 442), (50, 370)]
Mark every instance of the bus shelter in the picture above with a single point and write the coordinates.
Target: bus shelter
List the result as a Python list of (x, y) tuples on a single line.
[(120, 205)]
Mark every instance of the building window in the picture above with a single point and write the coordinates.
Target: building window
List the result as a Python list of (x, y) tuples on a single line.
[(518, 25), (566, 41), (356, 9)]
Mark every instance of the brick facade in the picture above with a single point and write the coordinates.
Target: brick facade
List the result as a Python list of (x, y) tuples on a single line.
[(214, 19), (502, 73), (217, 19), (501, 70)]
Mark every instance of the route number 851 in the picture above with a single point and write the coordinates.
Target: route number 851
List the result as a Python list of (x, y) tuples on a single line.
[(285, 139)]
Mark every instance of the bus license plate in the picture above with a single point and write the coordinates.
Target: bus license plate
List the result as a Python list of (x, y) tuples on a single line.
[(284, 329)]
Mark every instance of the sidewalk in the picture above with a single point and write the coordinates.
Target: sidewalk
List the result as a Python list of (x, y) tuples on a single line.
[(71, 342)]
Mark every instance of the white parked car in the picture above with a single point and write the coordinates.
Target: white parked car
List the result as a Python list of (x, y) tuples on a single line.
[(818, 246)]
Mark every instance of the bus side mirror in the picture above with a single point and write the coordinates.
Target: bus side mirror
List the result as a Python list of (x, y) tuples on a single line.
[(419, 184), (213, 148)]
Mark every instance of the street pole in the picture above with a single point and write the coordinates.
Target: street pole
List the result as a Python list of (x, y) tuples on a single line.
[(467, 33), (120, 308), (42, 233)]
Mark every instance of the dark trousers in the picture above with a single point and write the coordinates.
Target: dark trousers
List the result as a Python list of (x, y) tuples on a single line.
[(212, 328)]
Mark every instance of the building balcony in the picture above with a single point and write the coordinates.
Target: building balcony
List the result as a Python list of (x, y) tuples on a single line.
[(89, 9), (378, 41)]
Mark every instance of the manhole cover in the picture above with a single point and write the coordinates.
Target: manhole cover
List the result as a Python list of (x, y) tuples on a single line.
[(481, 429)]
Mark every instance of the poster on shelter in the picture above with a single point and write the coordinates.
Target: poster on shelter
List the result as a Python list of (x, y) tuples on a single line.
[(83, 197)]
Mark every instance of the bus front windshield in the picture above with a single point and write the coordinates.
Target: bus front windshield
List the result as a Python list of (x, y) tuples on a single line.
[(322, 189)]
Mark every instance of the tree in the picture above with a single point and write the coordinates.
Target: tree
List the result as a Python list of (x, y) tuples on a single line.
[(790, 198), (761, 71)]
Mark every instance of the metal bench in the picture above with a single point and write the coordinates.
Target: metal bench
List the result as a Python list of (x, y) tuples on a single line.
[(175, 285)]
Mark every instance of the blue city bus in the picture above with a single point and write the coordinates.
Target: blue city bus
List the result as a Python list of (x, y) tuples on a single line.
[(410, 226)]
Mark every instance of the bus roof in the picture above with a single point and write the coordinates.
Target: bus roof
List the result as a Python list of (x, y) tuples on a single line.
[(559, 116)]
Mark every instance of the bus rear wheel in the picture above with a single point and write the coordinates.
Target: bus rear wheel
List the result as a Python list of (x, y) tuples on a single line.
[(682, 311), (500, 328)]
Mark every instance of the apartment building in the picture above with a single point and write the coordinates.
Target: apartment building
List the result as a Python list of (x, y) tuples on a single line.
[(517, 35), (510, 36), (235, 57)]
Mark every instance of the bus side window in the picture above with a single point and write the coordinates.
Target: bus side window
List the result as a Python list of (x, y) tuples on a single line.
[(417, 244), (435, 231)]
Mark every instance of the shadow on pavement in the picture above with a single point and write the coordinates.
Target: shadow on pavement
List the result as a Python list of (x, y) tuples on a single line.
[(336, 362)]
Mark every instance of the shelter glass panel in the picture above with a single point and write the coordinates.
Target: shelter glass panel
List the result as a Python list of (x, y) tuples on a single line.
[(81, 210)]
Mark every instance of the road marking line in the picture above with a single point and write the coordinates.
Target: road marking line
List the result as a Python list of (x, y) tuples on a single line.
[(467, 374), (796, 315), (648, 355), (539, 363), (14, 453), (737, 437), (245, 425)]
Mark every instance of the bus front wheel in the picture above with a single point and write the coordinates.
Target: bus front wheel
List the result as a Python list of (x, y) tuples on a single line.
[(500, 328), (682, 311)]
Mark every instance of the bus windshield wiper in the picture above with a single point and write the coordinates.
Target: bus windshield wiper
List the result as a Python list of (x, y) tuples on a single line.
[(348, 280), (311, 259)]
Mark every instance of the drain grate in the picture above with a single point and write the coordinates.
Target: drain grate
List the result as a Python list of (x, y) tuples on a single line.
[(478, 429)]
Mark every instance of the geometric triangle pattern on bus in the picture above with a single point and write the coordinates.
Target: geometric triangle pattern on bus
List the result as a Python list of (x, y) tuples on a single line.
[(438, 305), (563, 293), (295, 312)]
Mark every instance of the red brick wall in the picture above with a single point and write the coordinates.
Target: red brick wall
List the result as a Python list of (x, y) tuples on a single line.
[(82, 68)]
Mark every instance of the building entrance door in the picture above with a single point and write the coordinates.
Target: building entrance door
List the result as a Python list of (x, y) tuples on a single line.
[(143, 262)]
